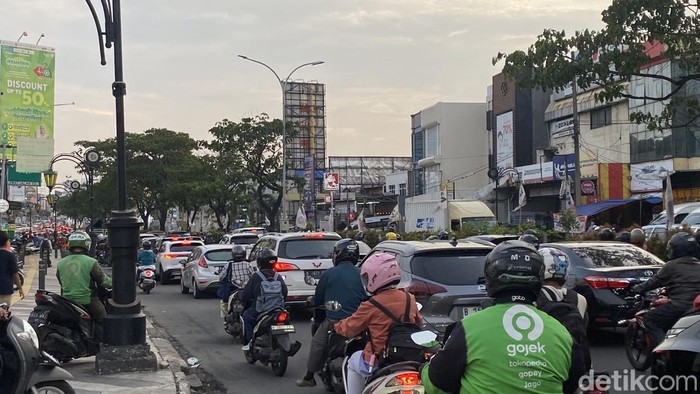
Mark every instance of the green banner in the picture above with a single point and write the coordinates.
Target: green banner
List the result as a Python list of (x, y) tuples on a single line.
[(27, 86), (22, 178)]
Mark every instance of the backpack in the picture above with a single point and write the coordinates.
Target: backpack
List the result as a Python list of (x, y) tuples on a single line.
[(270, 296), (567, 313), (399, 345), (226, 288)]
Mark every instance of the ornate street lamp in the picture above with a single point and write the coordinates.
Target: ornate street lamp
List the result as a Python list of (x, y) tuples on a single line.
[(50, 177)]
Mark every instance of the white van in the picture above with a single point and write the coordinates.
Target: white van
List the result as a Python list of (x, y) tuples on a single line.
[(658, 225)]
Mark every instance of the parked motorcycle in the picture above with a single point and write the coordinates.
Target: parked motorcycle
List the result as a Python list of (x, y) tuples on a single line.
[(271, 344), (147, 278), (637, 341), (65, 329), (231, 314), (23, 368)]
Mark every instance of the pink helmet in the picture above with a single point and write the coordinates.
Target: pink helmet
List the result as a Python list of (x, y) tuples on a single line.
[(380, 270)]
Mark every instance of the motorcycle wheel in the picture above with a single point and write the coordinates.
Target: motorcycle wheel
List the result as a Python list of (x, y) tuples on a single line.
[(148, 291), (249, 357), (279, 366), (637, 347), (54, 387)]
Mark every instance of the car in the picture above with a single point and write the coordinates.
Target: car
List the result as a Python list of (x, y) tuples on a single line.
[(200, 271), (657, 227), (256, 230), (247, 240), (604, 273), (494, 239), (446, 278), (169, 255), (692, 220), (302, 259)]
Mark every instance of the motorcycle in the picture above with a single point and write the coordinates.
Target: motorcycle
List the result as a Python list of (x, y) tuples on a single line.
[(25, 369), (147, 278), (65, 328), (637, 341), (271, 344), (231, 311)]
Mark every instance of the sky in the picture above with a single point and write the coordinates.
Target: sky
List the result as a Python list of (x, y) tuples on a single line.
[(384, 60)]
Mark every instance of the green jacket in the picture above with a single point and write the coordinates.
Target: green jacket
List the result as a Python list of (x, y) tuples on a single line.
[(78, 274)]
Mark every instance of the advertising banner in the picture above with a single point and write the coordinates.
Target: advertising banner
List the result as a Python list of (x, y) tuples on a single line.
[(331, 181), (27, 81), (562, 128), (536, 173), (649, 176), (504, 140), (563, 165), (22, 178)]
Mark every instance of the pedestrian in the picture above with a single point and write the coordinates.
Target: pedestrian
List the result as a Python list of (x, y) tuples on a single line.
[(9, 271)]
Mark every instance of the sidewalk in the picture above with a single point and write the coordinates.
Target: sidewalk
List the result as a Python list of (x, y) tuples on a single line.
[(169, 378)]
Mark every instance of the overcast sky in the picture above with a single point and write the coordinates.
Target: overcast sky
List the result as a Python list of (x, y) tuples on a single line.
[(385, 59)]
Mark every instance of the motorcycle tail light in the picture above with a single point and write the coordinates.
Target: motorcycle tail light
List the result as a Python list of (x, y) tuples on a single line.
[(282, 317), (148, 273), (404, 379)]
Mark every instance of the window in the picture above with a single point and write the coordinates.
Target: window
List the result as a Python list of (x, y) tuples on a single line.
[(458, 267), (432, 142), (402, 189), (392, 189), (601, 117), (432, 178)]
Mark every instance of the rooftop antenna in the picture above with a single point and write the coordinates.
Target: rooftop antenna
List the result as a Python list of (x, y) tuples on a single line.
[(40, 37), (24, 34)]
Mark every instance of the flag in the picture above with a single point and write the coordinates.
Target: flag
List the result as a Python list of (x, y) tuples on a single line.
[(522, 198), (301, 218), (361, 224), (395, 215), (669, 202)]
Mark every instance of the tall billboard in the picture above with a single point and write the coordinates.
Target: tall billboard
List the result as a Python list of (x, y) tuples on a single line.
[(504, 140)]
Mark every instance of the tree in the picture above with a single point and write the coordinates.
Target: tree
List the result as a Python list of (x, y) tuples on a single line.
[(253, 146), (617, 54)]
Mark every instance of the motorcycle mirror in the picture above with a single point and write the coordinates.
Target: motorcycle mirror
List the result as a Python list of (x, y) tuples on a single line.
[(424, 338), (333, 306), (419, 305)]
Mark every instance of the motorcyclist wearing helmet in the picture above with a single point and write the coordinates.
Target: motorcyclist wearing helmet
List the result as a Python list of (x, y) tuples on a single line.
[(530, 239), (265, 260), (638, 238), (237, 271), (341, 283), (146, 255), (443, 235), (681, 278), (624, 236), (80, 276), (606, 234), (390, 236), (380, 274), (509, 340)]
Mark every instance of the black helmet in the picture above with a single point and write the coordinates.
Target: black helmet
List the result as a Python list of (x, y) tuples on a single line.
[(531, 232), (513, 265), (637, 237), (680, 245), (146, 244), (346, 251), (443, 235), (531, 239), (266, 258), (625, 237), (238, 253), (606, 234)]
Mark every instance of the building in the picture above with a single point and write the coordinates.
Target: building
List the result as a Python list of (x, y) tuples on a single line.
[(396, 184)]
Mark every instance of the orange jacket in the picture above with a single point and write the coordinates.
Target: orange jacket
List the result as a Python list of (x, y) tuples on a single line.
[(368, 316)]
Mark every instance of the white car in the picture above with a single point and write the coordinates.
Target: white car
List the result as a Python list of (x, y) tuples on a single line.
[(169, 256)]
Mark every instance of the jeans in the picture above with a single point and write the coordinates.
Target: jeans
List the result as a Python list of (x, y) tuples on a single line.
[(358, 372), (658, 321), (250, 317), (319, 347)]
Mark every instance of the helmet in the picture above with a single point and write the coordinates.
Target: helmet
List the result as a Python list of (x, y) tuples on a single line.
[(624, 236), (681, 244), (606, 234), (391, 236), (146, 244), (346, 250), (380, 270), (79, 240), (556, 264), (638, 237), (531, 239), (238, 253), (531, 232), (513, 265), (266, 258), (443, 235)]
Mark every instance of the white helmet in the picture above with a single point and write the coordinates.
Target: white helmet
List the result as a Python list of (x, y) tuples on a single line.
[(556, 264)]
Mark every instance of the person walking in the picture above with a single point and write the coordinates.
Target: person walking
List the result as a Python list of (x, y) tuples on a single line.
[(9, 271)]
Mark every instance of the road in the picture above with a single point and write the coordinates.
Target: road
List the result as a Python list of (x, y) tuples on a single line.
[(197, 327)]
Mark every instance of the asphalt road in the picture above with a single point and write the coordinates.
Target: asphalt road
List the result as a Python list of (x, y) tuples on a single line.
[(197, 327)]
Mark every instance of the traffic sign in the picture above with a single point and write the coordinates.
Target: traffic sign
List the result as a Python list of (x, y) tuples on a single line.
[(4, 205)]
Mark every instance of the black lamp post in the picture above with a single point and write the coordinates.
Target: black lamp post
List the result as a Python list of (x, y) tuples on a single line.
[(124, 348), (52, 199)]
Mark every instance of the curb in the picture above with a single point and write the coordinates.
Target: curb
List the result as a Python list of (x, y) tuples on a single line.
[(168, 357)]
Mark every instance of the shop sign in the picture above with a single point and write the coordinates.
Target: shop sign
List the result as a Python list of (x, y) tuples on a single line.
[(562, 128), (588, 187), (564, 164), (649, 176), (536, 173)]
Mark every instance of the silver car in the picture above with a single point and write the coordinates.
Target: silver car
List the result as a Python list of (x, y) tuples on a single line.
[(200, 271)]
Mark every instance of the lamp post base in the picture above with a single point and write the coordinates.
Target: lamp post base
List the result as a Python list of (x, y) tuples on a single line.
[(118, 359)]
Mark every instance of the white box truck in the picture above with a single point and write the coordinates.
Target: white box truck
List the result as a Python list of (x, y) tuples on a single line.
[(429, 216)]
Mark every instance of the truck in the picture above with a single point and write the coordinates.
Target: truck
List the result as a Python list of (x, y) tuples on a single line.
[(452, 215)]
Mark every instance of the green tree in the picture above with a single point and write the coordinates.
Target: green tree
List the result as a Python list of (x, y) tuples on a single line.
[(616, 54)]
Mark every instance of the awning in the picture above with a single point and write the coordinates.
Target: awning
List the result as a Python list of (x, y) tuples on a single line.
[(592, 209)]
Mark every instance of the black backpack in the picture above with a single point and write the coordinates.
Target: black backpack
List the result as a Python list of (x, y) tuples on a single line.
[(567, 313), (399, 345)]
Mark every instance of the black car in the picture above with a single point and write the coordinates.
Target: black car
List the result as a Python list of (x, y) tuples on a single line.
[(604, 273)]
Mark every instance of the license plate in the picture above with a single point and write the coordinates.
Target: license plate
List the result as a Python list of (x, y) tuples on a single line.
[(36, 318), (316, 274), (282, 329), (467, 310)]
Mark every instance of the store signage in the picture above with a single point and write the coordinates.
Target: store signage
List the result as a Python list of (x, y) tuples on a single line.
[(588, 187)]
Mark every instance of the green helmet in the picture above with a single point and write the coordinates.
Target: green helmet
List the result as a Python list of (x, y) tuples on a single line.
[(79, 239)]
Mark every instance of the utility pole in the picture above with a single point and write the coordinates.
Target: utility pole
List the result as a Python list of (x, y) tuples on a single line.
[(577, 148)]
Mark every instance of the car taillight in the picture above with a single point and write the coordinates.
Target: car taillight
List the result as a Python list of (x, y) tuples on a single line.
[(281, 266), (203, 262), (282, 317), (423, 290), (603, 282), (313, 235), (170, 255), (404, 379)]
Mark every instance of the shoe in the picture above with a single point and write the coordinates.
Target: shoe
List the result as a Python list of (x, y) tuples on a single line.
[(245, 347), (306, 383)]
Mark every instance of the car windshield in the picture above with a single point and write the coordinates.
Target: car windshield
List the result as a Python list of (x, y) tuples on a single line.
[(183, 247), (219, 255), (452, 267), (616, 256), (306, 248), (244, 240)]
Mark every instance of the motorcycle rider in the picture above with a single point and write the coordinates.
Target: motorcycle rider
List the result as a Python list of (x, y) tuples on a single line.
[(341, 283), (251, 291), (146, 255), (681, 278), (443, 235), (390, 236), (513, 347), (241, 272), (380, 275), (80, 275), (638, 238)]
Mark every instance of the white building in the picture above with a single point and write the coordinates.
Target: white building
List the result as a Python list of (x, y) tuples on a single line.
[(396, 183)]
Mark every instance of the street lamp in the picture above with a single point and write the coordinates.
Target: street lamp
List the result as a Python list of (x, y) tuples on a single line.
[(50, 177), (283, 85), (52, 199)]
